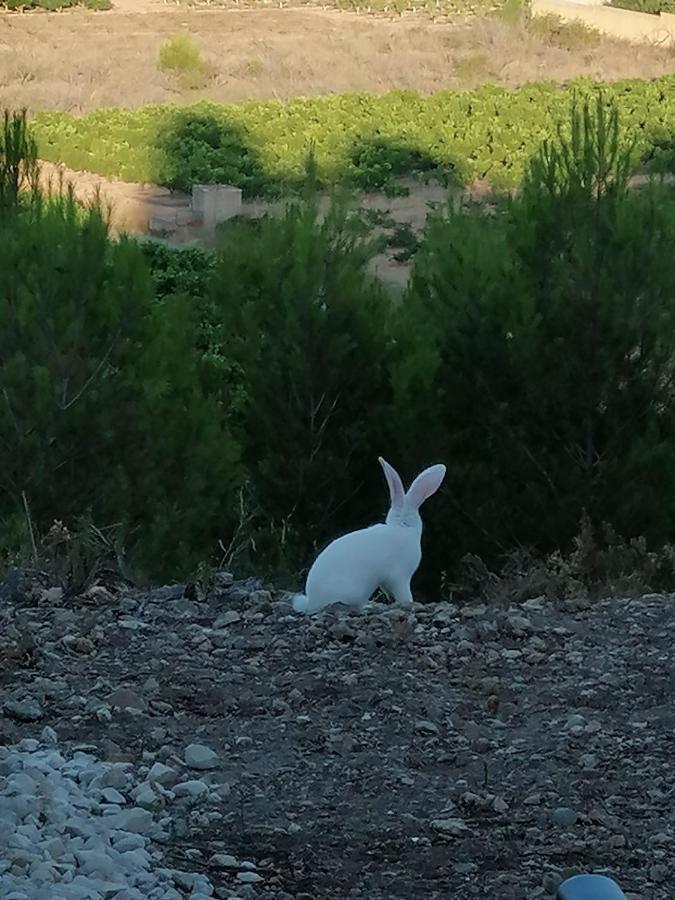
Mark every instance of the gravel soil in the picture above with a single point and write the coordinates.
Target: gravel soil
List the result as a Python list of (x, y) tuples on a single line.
[(435, 752)]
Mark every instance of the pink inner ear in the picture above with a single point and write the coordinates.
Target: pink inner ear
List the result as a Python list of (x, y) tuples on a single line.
[(426, 484), (396, 492)]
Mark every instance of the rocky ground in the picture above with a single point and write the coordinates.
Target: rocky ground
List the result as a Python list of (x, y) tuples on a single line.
[(241, 750)]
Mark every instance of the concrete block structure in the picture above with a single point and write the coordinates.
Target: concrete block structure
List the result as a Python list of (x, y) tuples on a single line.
[(215, 203)]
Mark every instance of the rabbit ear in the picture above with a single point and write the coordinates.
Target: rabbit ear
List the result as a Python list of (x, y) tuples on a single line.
[(426, 484), (396, 491)]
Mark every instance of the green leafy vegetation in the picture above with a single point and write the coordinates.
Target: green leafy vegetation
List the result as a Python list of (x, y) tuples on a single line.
[(104, 408), (536, 352), (180, 57), (434, 8), (305, 327), (367, 141), (571, 36), (53, 5), (646, 6), (232, 405)]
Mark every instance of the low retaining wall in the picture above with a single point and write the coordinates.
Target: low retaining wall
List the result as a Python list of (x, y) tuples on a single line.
[(636, 27)]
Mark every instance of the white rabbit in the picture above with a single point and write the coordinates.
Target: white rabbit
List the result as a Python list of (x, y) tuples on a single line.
[(351, 568)]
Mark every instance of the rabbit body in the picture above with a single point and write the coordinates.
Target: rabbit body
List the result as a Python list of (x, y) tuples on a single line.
[(354, 566), (351, 568)]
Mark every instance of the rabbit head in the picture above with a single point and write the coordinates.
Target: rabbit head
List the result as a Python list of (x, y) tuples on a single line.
[(405, 505)]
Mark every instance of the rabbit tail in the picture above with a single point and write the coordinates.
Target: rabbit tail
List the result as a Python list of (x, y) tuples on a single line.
[(300, 603)]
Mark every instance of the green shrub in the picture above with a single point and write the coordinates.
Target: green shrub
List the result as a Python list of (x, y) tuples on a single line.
[(513, 12), (18, 160), (305, 328), (571, 36), (51, 5), (536, 354), (104, 408), (179, 56), (391, 8), (179, 270), (366, 140), (646, 6)]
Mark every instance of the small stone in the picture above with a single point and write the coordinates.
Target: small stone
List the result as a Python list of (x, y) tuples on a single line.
[(115, 777), (519, 625), (135, 820), (248, 877), (96, 863), (424, 726), (125, 698), (575, 721), (103, 713), (564, 817), (146, 797), (231, 617), (224, 579), (616, 841), (500, 805), (161, 774), (126, 842), (49, 737), (451, 827), (465, 868), (197, 756), (224, 861), (192, 789), (52, 596), (658, 873), (23, 710), (111, 795)]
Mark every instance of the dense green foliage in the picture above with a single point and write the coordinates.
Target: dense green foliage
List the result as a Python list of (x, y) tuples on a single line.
[(184, 270), (103, 408), (245, 395), (305, 326), (537, 352), (646, 6), (361, 139)]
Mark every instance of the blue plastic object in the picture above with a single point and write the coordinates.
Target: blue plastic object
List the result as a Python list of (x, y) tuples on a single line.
[(590, 887)]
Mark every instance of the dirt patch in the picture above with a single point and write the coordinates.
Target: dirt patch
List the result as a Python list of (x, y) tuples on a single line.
[(133, 205), (78, 61), (431, 753)]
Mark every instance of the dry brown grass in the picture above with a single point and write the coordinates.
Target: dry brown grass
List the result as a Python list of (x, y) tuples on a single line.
[(78, 61)]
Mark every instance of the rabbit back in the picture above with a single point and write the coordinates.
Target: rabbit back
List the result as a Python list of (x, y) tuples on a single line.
[(351, 568)]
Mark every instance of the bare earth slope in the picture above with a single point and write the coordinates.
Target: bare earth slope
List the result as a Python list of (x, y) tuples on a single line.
[(427, 754)]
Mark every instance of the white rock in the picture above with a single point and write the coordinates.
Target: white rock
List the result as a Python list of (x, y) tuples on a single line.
[(135, 819), (224, 861), (97, 863), (191, 789), (115, 776), (146, 797), (112, 795), (248, 877), (197, 756), (161, 774), (123, 842)]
